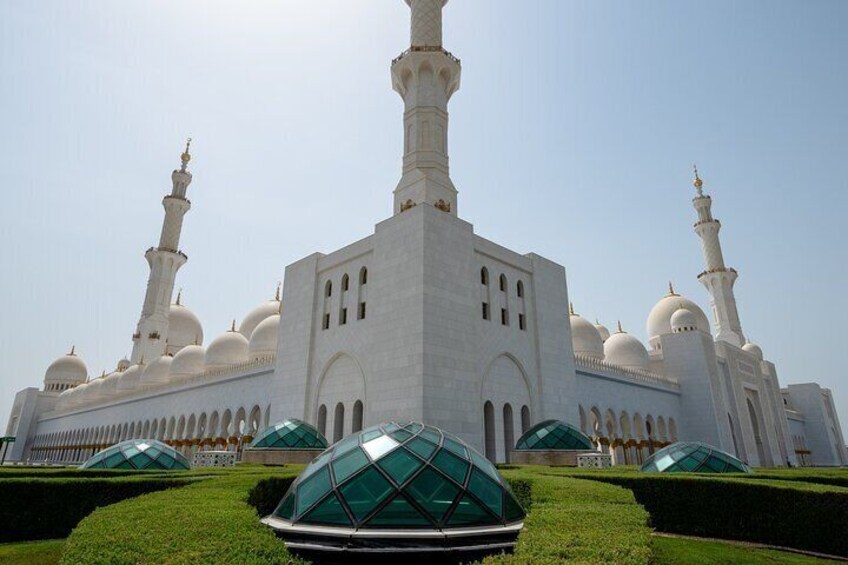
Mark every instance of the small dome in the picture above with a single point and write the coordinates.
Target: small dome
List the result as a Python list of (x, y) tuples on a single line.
[(183, 328), (754, 350), (253, 319), (263, 340), (75, 395), (91, 392), (424, 485), (227, 349), (158, 372), (291, 434), (67, 369), (602, 329), (191, 360), (123, 365), (683, 320), (138, 454), (659, 320), (554, 435), (64, 398), (108, 385), (585, 337), (129, 379), (693, 457), (624, 350)]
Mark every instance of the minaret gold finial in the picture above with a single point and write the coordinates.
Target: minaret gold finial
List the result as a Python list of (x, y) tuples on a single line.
[(699, 184), (233, 327), (186, 156), (141, 361), (277, 294), (571, 309), (620, 330), (179, 296), (671, 289), (73, 349)]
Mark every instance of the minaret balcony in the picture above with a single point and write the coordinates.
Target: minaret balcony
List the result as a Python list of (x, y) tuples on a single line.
[(702, 222), (167, 250), (427, 49), (724, 270)]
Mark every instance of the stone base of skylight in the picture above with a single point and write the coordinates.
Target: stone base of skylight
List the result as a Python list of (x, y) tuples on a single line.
[(553, 457), (594, 461), (330, 539), (279, 456), (215, 459)]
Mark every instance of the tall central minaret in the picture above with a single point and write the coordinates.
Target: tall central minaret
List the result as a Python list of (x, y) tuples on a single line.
[(717, 278), (426, 76), (164, 260)]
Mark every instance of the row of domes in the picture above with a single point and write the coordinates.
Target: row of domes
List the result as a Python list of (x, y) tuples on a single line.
[(185, 357)]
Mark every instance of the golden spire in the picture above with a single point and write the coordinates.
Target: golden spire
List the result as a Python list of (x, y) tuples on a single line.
[(73, 349), (571, 309), (186, 156), (621, 331), (699, 184), (277, 294), (233, 327), (671, 289), (179, 296)]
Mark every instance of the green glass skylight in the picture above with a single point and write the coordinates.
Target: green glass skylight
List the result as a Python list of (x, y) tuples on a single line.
[(290, 434), (138, 454), (399, 477), (554, 435), (693, 457)]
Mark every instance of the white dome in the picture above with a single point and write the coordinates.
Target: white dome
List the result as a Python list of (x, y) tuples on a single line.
[(255, 317), (123, 365), (263, 340), (67, 369), (191, 360), (624, 350), (157, 372), (129, 379), (585, 338), (64, 399), (183, 328), (227, 349), (93, 391), (683, 320), (659, 320), (753, 350), (602, 329)]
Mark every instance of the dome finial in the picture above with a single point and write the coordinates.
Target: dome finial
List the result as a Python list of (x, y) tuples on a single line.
[(699, 184), (186, 156), (179, 296), (620, 330), (277, 294), (671, 289), (233, 326), (571, 309)]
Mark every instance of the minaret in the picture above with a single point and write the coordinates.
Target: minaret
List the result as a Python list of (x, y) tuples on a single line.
[(164, 260), (717, 278), (426, 76)]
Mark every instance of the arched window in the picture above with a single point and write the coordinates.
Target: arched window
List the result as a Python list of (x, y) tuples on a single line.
[(489, 431), (484, 276), (363, 275), (338, 423), (343, 300), (345, 283), (484, 294), (522, 309), (328, 293), (357, 416), (525, 419), (322, 420), (363, 281), (519, 289), (503, 283), (328, 289), (509, 432)]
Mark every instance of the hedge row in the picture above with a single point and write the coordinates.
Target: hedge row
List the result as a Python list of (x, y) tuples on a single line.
[(783, 513), (32, 509), (206, 522)]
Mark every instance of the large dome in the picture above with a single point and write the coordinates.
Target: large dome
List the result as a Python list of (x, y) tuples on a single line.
[(393, 486), (191, 360), (130, 379), (624, 350), (183, 328), (659, 320), (585, 337), (138, 454), (554, 435), (68, 370), (290, 434), (602, 329), (264, 310), (227, 349), (754, 350), (263, 340), (693, 457), (157, 372)]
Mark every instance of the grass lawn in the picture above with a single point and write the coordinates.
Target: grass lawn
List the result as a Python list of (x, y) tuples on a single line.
[(674, 551), (31, 552)]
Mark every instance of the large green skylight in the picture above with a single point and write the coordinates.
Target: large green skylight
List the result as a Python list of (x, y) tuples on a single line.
[(138, 454), (399, 477), (693, 457), (290, 434), (554, 435)]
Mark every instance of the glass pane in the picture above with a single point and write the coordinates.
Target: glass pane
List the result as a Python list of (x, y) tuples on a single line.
[(313, 489), (378, 447), (486, 490), (513, 510), (451, 465), (349, 464), (398, 513), (286, 507), (401, 435), (469, 513), (432, 435), (365, 492), (368, 436), (456, 447), (345, 445), (432, 492), (485, 465), (421, 447), (400, 465), (329, 513)]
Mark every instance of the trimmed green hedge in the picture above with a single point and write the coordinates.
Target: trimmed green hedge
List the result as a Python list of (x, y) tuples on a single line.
[(790, 514), (206, 522), (32, 509)]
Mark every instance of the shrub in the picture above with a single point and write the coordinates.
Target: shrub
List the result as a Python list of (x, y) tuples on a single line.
[(798, 515), (268, 493), (34, 509)]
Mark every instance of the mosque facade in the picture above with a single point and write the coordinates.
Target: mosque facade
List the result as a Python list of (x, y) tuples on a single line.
[(426, 320)]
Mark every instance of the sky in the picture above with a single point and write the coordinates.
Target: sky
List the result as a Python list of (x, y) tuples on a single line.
[(573, 136)]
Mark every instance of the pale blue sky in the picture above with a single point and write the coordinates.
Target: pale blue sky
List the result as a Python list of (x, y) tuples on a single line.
[(573, 136)]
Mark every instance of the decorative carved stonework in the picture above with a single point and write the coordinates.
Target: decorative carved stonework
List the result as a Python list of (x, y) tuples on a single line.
[(443, 206), (407, 205)]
